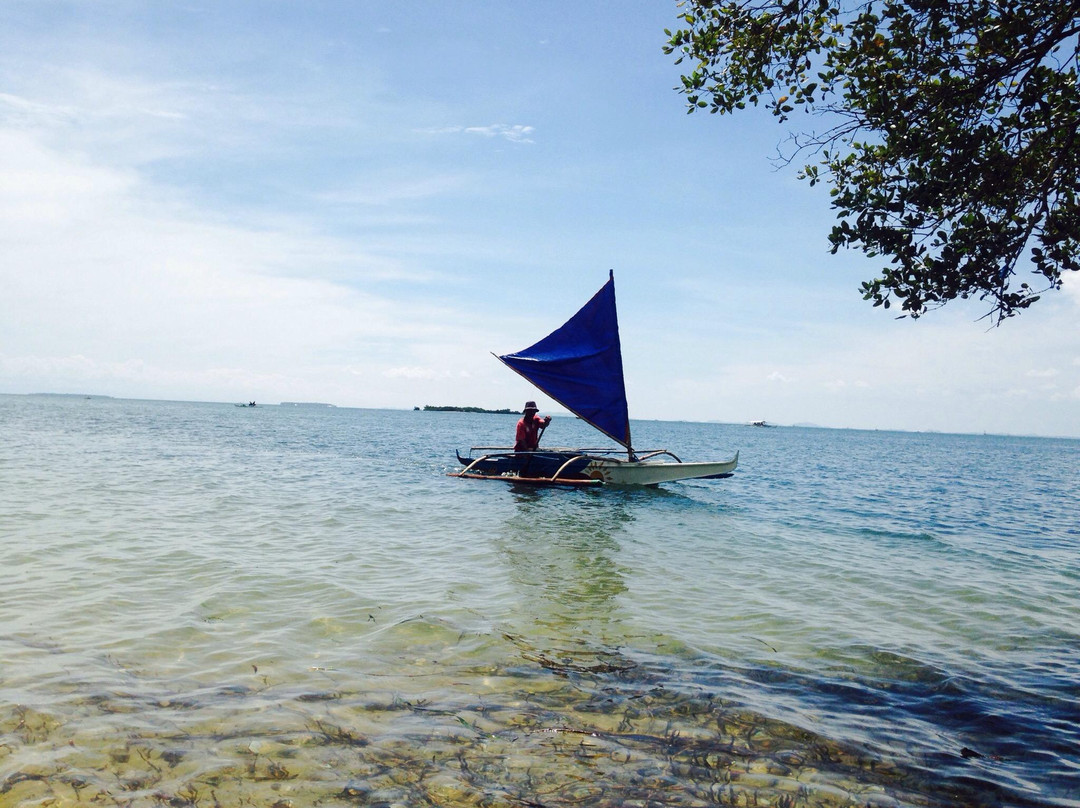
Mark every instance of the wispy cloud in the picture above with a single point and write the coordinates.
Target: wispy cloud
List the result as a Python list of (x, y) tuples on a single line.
[(515, 133), (423, 373), (114, 286), (17, 110), (390, 191)]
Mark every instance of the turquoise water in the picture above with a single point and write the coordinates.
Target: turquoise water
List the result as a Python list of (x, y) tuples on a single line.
[(209, 605)]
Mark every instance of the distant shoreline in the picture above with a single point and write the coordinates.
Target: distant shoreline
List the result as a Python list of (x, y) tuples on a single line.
[(431, 408), (716, 421)]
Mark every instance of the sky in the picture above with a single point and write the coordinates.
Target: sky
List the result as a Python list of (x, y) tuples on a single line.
[(358, 203)]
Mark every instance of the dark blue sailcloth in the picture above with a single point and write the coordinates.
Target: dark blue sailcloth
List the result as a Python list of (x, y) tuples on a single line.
[(580, 366)]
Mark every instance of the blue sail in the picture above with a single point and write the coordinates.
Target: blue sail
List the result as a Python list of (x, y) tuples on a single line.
[(580, 366)]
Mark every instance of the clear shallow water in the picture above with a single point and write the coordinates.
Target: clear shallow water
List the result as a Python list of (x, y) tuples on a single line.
[(209, 605)]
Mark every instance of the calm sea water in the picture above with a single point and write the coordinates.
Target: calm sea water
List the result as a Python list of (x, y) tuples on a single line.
[(206, 605)]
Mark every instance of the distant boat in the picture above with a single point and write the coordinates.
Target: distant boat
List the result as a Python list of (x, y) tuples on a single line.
[(761, 423), (249, 404), (580, 366)]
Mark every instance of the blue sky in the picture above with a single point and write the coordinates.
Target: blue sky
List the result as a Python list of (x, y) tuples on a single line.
[(358, 203)]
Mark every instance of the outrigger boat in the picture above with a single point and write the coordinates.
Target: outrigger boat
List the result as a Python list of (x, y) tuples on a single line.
[(580, 366)]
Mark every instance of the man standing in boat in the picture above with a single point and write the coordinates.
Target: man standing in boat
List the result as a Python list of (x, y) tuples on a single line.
[(530, 428)]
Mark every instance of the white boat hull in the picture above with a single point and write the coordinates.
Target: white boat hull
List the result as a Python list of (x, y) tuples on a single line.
[(627, 472)]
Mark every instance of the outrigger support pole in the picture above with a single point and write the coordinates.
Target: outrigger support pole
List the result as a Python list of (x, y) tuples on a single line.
[(469, 467), (563, 466)]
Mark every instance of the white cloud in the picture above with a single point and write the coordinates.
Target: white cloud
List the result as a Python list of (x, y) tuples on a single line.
[(16, 110), (386, 192), (516, 133), (943, 372), (1070, 286), (415, 373), (125, 120), (117, 284), (107, 286)]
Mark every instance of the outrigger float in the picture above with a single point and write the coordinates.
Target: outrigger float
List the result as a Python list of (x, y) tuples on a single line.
[(580, 366)]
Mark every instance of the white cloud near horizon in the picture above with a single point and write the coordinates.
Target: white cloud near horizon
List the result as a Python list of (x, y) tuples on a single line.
[(113, 288), (941, 373)]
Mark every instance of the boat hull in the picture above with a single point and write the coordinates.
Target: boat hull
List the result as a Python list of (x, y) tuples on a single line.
[(626, 472), (574, 467)]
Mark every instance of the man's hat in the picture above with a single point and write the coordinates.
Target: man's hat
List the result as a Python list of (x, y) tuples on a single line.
[(530, 406)]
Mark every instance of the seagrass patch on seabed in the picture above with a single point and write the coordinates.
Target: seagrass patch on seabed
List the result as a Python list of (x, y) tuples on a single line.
[(549, 728)]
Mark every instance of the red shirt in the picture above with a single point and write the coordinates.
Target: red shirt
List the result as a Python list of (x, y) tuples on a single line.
[(528, 434)]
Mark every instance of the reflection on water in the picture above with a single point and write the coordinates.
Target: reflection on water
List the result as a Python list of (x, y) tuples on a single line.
[(563, 561)]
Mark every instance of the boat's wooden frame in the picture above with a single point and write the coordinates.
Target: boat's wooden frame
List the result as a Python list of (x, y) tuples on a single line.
[(536, 481)]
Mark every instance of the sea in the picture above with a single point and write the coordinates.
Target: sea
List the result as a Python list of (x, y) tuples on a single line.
[(211, 605)]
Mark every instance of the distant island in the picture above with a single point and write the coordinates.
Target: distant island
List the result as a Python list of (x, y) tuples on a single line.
[(304, 404), (68, 395), (430, 408)]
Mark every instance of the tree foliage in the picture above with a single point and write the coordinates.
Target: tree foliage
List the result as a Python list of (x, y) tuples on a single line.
[(951, 139)]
